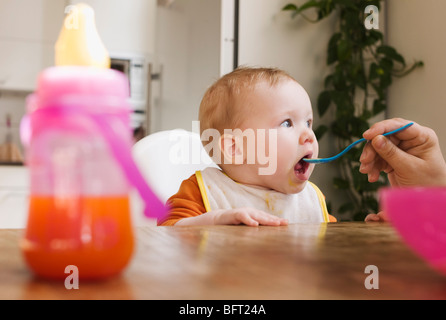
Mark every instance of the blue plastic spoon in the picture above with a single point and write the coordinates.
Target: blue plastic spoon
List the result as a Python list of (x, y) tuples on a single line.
[(325, 160)]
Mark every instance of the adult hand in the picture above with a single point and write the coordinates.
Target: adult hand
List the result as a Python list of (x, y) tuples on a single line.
[(411, 157)]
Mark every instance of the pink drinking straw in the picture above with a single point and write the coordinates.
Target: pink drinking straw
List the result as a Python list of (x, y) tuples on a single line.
[(154, 208)]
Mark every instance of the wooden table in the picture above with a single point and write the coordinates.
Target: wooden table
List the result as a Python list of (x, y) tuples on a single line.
[(324, 261)]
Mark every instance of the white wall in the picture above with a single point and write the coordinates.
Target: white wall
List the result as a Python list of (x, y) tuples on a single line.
[(127, 26), (416, 28), (188, 48), (270, 37)]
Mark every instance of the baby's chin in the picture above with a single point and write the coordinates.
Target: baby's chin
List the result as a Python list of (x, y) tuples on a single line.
[(295, 187), (286, 184), (290, 187)]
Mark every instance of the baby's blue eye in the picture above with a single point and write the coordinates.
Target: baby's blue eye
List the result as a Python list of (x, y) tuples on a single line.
[(287, 123), (309, 123)]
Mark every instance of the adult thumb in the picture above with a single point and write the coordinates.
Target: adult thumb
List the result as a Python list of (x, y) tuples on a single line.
[(388, 151)]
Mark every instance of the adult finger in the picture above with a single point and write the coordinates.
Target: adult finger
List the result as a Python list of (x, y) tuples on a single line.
[(390, 152), (411, 133)]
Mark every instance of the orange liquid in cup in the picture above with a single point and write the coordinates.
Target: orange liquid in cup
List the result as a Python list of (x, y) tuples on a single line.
[(92, 233)]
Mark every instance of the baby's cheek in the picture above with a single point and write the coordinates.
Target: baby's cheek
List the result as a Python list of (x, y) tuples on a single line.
[(315, 149)]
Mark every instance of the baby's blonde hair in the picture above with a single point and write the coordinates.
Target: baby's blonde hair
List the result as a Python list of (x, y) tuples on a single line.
[(222, 104)]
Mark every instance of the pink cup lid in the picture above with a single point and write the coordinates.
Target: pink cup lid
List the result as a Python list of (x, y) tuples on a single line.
[(81, 82)]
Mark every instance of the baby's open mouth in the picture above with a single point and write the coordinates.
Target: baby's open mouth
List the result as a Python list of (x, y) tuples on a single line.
[(302, 166)]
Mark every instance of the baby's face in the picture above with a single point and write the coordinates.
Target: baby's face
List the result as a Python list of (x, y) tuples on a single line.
[(286, 108)]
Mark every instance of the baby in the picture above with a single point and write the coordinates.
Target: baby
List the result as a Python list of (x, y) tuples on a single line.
[(255, 111)]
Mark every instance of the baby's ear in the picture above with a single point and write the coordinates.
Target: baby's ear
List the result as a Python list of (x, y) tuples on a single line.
[(232, 149)]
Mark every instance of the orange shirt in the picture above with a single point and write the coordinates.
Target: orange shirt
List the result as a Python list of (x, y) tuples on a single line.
[(187, 202)]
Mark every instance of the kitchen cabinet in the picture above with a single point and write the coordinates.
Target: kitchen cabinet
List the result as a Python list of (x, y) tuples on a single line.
[(14, 192), (28, 31)]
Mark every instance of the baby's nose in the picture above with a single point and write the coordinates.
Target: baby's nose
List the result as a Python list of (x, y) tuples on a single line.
[(307, 136)]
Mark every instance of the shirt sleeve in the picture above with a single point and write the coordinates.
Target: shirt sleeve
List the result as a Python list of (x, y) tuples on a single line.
[(187, 202)]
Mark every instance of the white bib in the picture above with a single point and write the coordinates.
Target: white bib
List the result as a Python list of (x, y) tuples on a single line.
[(221, 192)]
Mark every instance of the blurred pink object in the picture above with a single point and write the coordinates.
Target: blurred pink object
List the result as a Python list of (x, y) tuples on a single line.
[(419, 215)]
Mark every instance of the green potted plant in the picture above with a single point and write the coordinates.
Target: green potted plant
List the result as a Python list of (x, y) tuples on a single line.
[(361, 69)]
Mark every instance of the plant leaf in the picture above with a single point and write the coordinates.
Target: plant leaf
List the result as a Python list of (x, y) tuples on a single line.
[(290, 7), (344, 50), (373, 37), (378, 106), (320, 131), (332, 51), (348, 206), (309, 4), (340, 183), (391, 53), (305, 6), (371, 203), (323, 102)]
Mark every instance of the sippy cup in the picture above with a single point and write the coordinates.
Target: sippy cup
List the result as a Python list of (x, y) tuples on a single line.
[(79, 205), (81, 171)]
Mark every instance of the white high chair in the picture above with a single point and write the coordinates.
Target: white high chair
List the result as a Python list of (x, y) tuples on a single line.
[(166, 158)]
